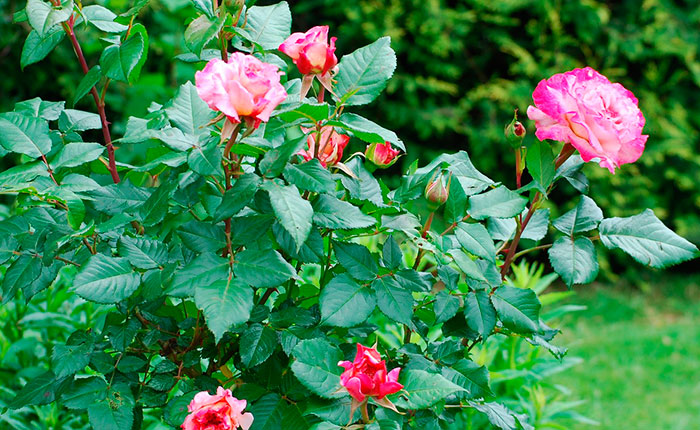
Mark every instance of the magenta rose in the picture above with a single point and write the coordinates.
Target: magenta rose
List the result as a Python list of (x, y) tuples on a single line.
[(599, 118), (244, 88), (367, 376), (219, 412), (311, 51)]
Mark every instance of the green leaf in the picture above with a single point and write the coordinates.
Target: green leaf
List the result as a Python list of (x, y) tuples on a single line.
[(202, 31), (293, 212), (311, 252), (75, 154), (275, 160), (142, 252), (262, 268), (311, 176), (24, 270), (43, 17), (156, 206), (329, 212), (480, 313), (537, 227), (78, 120), (476, 240), (238, 196), (584, 217), (83, 392), (498, 415), (40, 390), (91, 78), (571, 171), (422, 389), (391, 254), (363, 74), (8, 247), (316, 366), (206, 7), (206, 160), (257, 345), (119, 198), (67, 360), (205, 269), (176, 411), (574, 260), (202, 237), (268, 26), (36, 48), (356, 259), (345, 303), (119, 61), (394, 300), (467, 265), (497, 203), (106, 279), (445, 306), (646, 239), (225, 303), (473, 377), (518, 309), (116, 412), (363, 186), (103, 19), (49, 111), (25, 135), (272, 412), (369, 131), (540, 162), (313, 112)]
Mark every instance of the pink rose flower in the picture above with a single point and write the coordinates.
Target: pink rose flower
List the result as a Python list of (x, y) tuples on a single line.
[(599, 118), (381, 154), (367, 376), (219, 412), (330, 149), (311, 51), (244, 87)]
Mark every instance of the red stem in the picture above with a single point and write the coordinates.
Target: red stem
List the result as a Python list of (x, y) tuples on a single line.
[(68, 28)]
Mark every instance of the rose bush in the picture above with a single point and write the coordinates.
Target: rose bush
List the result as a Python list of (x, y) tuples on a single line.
[(250, 254)]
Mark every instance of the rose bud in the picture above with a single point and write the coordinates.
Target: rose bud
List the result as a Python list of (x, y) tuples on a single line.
[(244, 88), (436, 193), (330, 148), (311, 51), (366, 377), (599, 118), (219, 412), (382, 154)]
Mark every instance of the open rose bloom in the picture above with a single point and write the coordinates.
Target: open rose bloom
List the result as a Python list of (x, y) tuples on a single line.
[(367, 376), (311, 51), (219, 412), (599, 118), (242, 88), (382, 154), (330, 149)]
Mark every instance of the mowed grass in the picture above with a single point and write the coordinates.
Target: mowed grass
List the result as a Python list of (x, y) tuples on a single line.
[(641, 352)]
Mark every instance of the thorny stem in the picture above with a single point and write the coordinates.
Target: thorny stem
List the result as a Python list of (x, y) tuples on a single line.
[(423, 234), (48, 167), (68, 28)]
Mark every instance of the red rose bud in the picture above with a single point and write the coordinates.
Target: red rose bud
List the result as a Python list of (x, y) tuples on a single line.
[(382, 154), (436, 192), (515, 131)]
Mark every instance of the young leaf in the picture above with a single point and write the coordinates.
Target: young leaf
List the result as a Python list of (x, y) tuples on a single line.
[(119, 61), (345, 303), (225, 303), (584, 217), (43, 17), (292, 212), (103, 19), (646, 239), (497, 203), (106, 279), (316, 366), (518, 309), (363, 74), (575, 260)]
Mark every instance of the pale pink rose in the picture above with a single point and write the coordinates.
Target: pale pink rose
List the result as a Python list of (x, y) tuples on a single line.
[(311, 51), (599, 118), (381, 154), (330, 148), (242, 88), (219, 412), (367, 376)]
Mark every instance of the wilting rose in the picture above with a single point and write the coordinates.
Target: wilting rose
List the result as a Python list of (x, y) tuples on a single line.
[(242, 88), (367, 376), (599, 118), (381, 154), (219, 412), (311, 51), (330, 149)]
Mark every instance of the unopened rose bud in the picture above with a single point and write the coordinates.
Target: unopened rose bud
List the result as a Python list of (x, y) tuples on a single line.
[(436, 192), (382, 154), (515, 131)]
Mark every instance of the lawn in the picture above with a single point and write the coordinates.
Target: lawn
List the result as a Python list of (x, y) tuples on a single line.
[(642, 355)]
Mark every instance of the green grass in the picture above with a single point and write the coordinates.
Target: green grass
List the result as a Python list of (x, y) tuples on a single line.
[(642, 356)]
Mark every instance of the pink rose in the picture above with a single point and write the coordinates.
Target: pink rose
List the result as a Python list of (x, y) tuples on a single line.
[(219, 412), (244, 87), (311, 51), (330, 149), (381, 154), (367, 377), (599, 118)]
